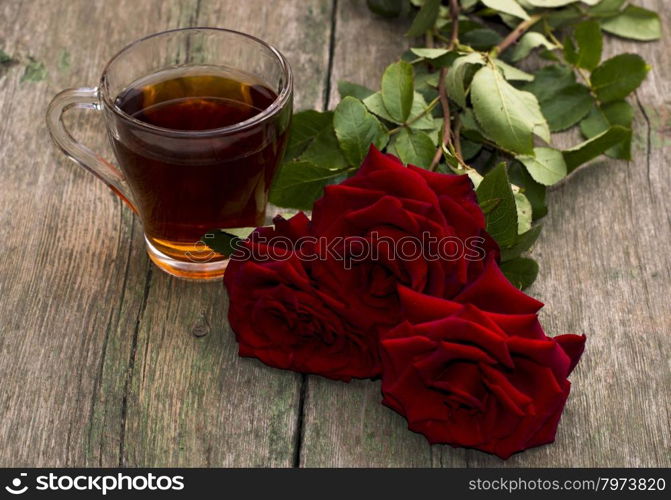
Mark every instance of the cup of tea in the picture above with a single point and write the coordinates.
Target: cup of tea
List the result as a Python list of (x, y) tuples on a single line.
[(198, 120)]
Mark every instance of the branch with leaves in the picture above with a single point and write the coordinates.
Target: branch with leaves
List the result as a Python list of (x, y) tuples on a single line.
[(462, 104)]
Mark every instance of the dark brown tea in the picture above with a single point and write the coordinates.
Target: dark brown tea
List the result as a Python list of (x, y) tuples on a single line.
[(187, 175)]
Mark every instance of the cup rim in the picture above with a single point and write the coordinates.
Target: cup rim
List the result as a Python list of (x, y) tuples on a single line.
[(277, 105)]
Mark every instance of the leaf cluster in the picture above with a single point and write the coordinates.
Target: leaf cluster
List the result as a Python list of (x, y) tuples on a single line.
[(464, 101)]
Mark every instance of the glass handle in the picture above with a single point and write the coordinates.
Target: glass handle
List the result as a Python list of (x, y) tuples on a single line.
[(86, 98)]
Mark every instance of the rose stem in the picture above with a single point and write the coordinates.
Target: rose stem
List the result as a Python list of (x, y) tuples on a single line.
[(447, 131), (442, 93), (515, 34)]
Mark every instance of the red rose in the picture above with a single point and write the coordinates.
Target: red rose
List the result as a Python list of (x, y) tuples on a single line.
[(282, 318), (470, 377), (294, 306), (426, 229)]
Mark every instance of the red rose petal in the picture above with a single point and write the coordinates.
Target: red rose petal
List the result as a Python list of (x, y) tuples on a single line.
[(492, 292), (573, 346), (419, 308)]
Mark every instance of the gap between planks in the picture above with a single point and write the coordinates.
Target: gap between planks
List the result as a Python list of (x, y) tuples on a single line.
[(300, 416)]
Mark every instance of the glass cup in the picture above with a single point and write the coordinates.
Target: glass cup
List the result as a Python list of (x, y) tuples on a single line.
[(181, 182)]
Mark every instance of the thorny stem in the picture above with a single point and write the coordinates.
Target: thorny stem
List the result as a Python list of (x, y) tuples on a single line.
[(447, 130), (454, 16), (446, 140), (456, 133), (515, 34)]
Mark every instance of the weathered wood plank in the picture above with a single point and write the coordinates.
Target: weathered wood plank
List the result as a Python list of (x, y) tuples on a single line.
[(344, 424), (191, 400), (604, 271), (70, 239), (98, 359)]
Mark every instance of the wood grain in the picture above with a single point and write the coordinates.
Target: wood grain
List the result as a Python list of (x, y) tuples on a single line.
[(68, 242), (192, 401), (344, 424), (604, 271), (104, 361)]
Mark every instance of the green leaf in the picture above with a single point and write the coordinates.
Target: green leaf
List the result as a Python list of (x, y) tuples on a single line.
[(511, 73), (357, 129), (299, 184), (619, 113), (619, 76), (635, 23), (414, 147), (488, 205), (589, 45), (524, 242), (241, 232), (469, 148), (601, 118), (534, 191), (507, 6), (606, 8), (226, 241), (386, 8), (550, 80), (426, 122), (563, 101), (481, 39), (508, 116), (595, 123), (305, 127), (460, 75), (559, 18), (397, 90), (425, 18), (570, 51), (567, 107), (429, 53), (521, 272), (324, 151), (549, 3), (470, 127), (346, 88), (530, 41), (502, 220), (524, 212), (594, 147), (434, 135), (375, 105), (546, 166), (424, 78)]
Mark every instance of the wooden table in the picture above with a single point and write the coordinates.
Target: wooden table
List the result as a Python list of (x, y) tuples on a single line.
[(106, 361)]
